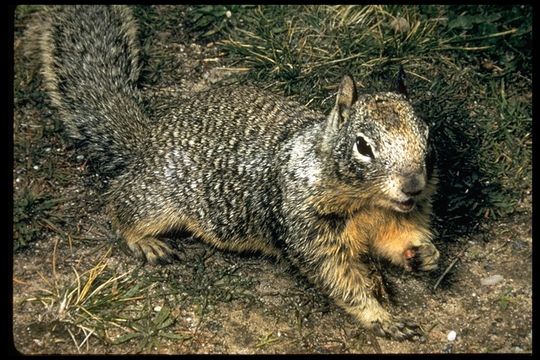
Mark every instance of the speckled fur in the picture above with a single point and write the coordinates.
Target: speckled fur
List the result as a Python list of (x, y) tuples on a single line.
[(246, 170)]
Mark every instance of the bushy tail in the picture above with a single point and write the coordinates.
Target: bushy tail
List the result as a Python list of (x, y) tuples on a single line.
[(90, 66)]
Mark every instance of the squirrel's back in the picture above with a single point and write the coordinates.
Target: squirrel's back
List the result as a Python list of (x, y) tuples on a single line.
[(216, 158)]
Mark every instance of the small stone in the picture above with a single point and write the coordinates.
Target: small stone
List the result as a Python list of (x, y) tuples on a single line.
[(492, 280), (451, 335), (157, 308), (80, 157), (36, 167)]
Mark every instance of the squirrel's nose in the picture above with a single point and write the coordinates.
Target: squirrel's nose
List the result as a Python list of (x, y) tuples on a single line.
[(413, 184)]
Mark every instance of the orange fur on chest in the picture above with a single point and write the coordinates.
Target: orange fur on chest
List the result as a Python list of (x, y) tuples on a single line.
[(387, 232)]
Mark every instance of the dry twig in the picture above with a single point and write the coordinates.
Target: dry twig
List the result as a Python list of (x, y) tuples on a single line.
[(458, 256)]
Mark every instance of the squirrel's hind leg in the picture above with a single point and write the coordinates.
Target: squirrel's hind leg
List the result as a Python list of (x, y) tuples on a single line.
[(142, 239)]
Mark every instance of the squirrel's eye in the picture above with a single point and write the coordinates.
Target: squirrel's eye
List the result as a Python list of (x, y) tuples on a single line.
[(363, 147)]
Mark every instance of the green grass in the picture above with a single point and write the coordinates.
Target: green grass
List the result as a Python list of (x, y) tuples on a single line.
[(98, 303), (150, 330), (34, 212), (468, 69)]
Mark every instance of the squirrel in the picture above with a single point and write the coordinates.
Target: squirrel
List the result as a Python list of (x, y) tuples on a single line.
[(247, 170)]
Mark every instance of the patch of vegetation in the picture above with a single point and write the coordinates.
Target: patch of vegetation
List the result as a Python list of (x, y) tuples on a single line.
[(503, 32), (507, 298), (23, 11), (215, 285), (468, 69), (267, 340), (148, 330), (94, 303), (31, 215), (209, 21)]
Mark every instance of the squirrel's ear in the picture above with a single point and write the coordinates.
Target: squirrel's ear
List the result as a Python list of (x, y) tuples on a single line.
[(346, 96), (347, 92), (401, 88)]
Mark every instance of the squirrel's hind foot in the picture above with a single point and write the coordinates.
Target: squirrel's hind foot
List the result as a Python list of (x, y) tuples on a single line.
[(153, 250)]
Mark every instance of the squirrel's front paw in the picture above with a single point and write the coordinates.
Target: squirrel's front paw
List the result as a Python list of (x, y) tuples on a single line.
[(423, 257), (397, 329)]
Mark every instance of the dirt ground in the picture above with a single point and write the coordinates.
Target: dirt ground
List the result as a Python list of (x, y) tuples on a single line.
[(215, 302)]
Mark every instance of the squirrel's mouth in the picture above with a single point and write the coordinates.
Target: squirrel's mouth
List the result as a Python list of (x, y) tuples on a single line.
[(404, 206)]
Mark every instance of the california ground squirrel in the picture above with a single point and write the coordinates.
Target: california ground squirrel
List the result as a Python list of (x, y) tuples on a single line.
[(246, 170)]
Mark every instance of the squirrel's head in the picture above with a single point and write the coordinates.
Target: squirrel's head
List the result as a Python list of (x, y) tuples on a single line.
[(379, 144)]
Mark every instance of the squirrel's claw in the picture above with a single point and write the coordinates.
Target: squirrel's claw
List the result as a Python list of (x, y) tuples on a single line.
[(154, 251), (397, 330)]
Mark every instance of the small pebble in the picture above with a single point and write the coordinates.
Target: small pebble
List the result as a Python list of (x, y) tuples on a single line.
[(452, 335), (80, 157), (36, 167), (492, 280), (157, 308)]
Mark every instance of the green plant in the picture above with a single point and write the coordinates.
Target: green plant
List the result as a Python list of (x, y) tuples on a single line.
[(31, 209), (95, 301), (484, 25), (266, 340), (209, 20), (148, 331)]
